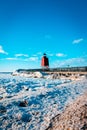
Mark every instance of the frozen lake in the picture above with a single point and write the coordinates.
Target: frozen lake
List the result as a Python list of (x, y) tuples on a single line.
[(45, 98)]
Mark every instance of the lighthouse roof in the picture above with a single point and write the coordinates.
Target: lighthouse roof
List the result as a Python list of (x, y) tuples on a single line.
[(44, 54)]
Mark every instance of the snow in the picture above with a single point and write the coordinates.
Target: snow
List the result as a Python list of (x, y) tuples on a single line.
[(36, 74), (46, 98)]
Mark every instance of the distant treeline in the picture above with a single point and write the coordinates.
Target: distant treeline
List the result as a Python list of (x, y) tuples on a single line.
[(64, 69)]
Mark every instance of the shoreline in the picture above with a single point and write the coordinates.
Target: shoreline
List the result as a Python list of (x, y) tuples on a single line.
[(74, 117), (51, 75)]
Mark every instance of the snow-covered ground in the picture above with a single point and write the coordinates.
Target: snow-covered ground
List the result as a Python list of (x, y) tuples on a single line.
[(45, 99)]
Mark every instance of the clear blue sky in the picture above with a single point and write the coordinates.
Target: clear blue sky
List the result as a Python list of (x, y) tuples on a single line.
[(28, 28)]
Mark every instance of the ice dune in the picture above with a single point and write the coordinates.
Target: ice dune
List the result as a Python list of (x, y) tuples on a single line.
[(46, 98)]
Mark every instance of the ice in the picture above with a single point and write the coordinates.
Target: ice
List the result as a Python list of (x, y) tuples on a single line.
[(46, 98)]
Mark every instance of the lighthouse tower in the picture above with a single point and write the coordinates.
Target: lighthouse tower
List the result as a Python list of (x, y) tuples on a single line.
[(45, 61)]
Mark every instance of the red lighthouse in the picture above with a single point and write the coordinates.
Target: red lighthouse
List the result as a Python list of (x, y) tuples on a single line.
[(45, 61)]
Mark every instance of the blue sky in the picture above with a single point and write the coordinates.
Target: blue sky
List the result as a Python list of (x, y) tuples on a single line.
[(28, 28)]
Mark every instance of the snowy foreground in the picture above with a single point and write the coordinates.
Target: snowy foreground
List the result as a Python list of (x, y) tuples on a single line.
[(45, 99)]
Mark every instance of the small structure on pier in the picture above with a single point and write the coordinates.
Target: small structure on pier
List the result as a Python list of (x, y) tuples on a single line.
[(45, 61)]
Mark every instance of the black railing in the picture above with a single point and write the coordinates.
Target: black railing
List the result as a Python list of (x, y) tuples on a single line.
[(80, 69)]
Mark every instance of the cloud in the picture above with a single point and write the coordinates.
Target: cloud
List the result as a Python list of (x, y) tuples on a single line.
[(19, 58), (35, 55), (60, 55), (71, 62), (33, 58), (21, 55), (2, 51), (77, 41), (10, 58)]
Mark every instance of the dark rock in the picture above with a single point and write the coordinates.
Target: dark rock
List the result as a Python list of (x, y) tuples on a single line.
[(86, 105), (1, 98), (23, 103), (27, 89), (35, 113), (9, 96), (84, 127), (2, 109)]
